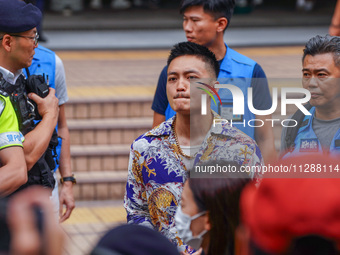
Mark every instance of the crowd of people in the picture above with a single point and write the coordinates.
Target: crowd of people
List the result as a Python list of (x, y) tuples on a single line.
[(171, 207)]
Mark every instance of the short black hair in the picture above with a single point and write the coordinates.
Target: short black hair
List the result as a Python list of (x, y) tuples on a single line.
[(194, 49), (322, 45), (217, 8)]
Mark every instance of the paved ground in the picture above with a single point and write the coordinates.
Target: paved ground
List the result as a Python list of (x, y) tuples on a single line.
[(163, 39), (90, 221), (169, 18), (160, 29), (117, 73)]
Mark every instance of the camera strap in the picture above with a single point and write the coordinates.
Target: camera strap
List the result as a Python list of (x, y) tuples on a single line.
[(28, 72)]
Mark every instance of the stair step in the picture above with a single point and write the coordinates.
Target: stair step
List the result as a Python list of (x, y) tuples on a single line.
[(103, 185), (123, 107), (107, 131), (95, 150), (97, 157), (116, 123), (105, 176)]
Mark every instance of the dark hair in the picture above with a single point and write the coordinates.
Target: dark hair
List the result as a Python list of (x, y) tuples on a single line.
[(217, 8), (193, 49), (220, 197), (322, 45)]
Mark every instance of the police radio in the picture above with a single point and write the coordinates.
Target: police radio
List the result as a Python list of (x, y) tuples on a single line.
[(36, 84), (25, 109)]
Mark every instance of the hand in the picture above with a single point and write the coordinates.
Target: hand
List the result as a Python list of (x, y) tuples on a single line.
[(47, 106), (66, 198), (199, 252), (26, 239)]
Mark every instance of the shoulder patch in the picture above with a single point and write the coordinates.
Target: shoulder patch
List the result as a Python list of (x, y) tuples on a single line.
[(309, 145)]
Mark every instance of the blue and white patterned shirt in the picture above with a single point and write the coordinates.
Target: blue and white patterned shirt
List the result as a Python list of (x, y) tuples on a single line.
[(157, 172)]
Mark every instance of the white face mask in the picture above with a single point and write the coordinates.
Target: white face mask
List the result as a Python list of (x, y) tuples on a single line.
[(183, 222)]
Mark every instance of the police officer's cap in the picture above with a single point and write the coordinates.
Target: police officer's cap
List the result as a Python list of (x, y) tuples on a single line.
[(16, 16)]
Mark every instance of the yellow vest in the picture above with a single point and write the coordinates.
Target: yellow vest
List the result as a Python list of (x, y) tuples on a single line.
[(9, 127)]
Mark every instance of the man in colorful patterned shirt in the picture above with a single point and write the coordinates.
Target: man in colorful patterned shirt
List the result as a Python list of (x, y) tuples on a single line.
[(160, 159)]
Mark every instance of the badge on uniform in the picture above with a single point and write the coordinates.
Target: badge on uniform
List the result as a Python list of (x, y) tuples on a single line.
[(309, 145)]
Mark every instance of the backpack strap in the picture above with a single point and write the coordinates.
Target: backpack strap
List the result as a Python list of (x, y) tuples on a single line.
[(291, 134)]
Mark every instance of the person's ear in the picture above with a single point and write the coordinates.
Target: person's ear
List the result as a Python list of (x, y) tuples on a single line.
[(221, 24), (207, 223), (6, 42)]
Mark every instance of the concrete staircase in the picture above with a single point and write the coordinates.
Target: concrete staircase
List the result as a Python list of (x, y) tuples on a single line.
[(101, 132)]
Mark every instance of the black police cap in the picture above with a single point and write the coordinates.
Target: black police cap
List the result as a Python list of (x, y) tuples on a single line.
[(16, 16)]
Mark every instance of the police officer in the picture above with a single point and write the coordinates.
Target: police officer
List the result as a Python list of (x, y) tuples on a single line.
[(19, 38), (204, 23), (320, 131), (13, 171)]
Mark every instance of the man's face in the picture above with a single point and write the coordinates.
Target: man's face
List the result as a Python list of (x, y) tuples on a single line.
[(181, 71), (321, 78), (23, 49), (199, 27)]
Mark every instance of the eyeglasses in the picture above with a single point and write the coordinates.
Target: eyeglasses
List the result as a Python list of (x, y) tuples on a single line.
[(35, 38)]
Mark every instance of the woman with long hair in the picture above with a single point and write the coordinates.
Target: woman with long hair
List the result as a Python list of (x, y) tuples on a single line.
[(209, 212)]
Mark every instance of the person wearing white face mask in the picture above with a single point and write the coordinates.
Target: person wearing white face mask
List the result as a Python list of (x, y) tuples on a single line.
[(209, 212), (183, 223)]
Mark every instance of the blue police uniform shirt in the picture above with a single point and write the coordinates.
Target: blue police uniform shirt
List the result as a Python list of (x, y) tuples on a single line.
[(235, 69), (306, 140)]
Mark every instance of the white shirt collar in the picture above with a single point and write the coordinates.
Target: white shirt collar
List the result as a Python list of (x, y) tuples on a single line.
[(9, 76)]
